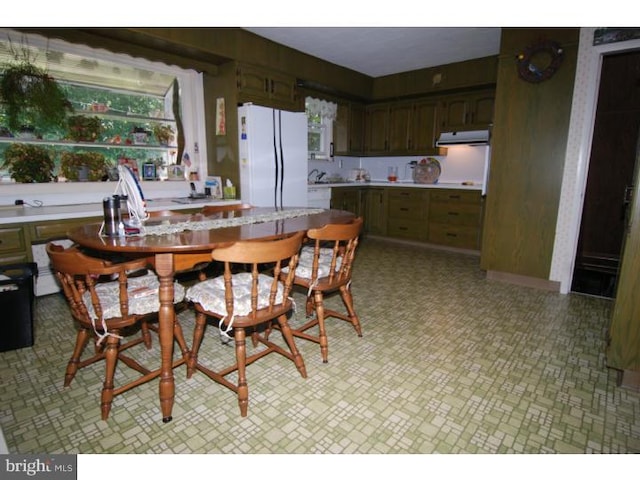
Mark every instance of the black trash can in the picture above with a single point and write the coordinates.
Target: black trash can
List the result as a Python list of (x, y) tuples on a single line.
[(17, 301)]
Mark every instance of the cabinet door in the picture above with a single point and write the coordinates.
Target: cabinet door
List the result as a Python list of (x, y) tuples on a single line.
[(348, 138), (346, 198), (14, 244), (375, 218), (377, 128), (398, 130), (268, 88), (252, 82), (422, 134), (282, 89), (482, 110), (471, 111), (454, 114), (356, 128), (341, 130)]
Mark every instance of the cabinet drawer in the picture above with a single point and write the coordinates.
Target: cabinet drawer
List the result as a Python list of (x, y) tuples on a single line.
[(454, 213), (12, 239), (58, 229), (410, 204), (18, 257), (455, 196), (410, 229), (459, 236)]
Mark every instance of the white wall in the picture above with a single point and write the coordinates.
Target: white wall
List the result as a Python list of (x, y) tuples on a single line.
[(461, 164)]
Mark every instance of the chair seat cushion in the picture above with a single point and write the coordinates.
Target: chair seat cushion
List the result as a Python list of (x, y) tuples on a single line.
[(143, 296), (210, 294), (305, 263)]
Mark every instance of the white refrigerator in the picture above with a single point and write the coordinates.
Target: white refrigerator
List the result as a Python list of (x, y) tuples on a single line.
[(273, 157)]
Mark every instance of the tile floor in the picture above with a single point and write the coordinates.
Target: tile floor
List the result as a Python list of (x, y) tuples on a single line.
[(449, 363)]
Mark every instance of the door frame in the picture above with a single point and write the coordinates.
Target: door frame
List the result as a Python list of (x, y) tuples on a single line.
[(576, 166)]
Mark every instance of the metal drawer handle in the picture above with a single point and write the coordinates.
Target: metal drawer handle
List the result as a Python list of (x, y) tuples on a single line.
[(453, 213), (451, 234)]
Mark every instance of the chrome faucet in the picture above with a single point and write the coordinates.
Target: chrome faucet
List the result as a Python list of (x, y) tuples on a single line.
[(315, 170)]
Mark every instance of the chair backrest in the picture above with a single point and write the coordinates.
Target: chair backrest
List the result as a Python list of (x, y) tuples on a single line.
[(282, 253), (339, 242), (79, 273), (224, 210)]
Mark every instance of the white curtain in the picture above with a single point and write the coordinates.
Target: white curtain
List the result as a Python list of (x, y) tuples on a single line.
[(316, 106)]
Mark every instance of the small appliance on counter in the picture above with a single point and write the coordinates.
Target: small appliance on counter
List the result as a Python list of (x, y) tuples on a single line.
[(358, 175)]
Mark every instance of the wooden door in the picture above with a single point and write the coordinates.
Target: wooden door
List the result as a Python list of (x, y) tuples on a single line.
[(623, 348)]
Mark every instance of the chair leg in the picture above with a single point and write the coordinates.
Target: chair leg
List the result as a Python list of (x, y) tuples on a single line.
[(146, 335), (288, 336), (241, 361), (111, 358), (322, 332), (72, 367), (347, 298), (198, 333), (179, 336)]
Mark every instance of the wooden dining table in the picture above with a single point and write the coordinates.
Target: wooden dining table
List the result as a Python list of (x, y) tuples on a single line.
[(179, 242)]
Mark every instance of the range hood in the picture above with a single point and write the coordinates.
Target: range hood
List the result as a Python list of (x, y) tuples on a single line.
[(471, 137)]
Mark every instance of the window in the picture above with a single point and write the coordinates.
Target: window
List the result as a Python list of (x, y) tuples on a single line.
[(132, 98), (320, 117)]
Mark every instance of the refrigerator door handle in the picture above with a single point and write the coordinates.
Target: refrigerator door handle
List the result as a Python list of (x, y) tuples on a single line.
[(281, 157), (275, 160)]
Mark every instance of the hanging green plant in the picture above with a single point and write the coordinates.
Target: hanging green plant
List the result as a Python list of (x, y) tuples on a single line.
[(28, 163), (30, 96)]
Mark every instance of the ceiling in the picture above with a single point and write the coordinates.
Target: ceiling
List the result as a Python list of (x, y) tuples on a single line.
[(379, 51)]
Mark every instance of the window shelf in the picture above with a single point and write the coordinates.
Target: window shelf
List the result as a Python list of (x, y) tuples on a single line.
[(132, 146), (111, 115)]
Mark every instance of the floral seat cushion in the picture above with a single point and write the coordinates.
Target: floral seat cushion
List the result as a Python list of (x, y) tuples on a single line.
[(210, 294), (305, 263), (143, 296)]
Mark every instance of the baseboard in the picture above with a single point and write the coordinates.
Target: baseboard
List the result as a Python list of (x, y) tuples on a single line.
[(418, 243), (629, 379), (524, 281)]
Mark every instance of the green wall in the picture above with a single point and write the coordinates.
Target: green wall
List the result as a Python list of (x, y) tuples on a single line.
[(531, 124)]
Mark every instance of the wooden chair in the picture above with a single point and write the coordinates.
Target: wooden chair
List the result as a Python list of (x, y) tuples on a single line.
[(243, 302), (212, 269), (109, 300), (224, 210), (325, 267)]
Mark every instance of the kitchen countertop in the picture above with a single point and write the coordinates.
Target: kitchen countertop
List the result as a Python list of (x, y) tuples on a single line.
[(410, 184), (25, 214)]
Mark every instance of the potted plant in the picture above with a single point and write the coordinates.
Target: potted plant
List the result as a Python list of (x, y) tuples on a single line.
[(84, 129), (28, 163), (163, 133), (31, 97), (83, 166)]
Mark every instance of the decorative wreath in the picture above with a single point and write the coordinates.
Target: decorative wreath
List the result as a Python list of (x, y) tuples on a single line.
[(529, 71)]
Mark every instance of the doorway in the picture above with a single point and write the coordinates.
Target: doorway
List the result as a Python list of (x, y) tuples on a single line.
[(611, 168)]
